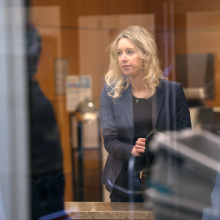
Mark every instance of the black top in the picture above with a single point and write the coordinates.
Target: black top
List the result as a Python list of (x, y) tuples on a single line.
[(142, 111)]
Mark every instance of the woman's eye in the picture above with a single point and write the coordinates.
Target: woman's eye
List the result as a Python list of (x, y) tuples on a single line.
[(129, 52), (119, 53)]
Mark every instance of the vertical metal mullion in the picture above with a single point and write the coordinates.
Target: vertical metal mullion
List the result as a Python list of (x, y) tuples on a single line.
[(13, 113)]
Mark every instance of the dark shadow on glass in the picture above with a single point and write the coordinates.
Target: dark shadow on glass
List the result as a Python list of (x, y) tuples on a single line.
[(46, 163)]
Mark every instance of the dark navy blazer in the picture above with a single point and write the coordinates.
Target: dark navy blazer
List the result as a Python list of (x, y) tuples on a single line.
[(169, 112)]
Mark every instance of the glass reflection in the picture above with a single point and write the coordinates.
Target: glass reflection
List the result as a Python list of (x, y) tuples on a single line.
[(46, 159), (71, 38)]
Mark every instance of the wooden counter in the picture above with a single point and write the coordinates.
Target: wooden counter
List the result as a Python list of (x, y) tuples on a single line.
[(107, 210)]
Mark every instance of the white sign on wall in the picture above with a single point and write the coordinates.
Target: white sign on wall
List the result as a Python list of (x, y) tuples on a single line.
[(78, 88)]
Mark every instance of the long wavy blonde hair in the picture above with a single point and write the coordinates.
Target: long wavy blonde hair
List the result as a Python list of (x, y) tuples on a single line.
[(147, 50)]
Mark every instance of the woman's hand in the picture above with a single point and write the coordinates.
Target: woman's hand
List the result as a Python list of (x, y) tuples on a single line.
[(139, 147)]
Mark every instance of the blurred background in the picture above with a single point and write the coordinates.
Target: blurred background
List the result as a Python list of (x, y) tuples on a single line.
[(54, 55)]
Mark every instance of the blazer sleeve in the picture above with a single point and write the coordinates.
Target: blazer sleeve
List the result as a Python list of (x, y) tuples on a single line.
[(182, 110), (114, 142)]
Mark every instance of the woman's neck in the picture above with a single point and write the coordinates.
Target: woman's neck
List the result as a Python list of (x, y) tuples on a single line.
[(139, 90)]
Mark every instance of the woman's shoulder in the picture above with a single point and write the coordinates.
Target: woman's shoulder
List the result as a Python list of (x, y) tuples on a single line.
[(169, 83), (107, 88), (106, 92), (110, 88)]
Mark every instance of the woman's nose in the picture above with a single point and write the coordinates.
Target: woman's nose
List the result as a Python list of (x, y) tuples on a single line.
[(123, 56)]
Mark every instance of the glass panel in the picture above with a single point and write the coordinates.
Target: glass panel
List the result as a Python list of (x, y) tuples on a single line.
[(79, 141)]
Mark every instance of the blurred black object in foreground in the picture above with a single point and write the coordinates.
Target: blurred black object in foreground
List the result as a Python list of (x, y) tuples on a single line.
[(46, 162), (183, 175)]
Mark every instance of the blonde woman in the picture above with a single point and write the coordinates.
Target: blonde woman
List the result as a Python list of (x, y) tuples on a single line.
[(135, 99)]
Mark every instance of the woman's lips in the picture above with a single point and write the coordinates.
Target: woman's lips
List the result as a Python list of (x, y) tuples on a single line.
[(125, 66)]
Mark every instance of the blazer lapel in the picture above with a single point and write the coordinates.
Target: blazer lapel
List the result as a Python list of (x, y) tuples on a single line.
[(127, 104), (157, 103)]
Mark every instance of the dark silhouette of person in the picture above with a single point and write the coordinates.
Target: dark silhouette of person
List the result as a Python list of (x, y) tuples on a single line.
[(46, 162)]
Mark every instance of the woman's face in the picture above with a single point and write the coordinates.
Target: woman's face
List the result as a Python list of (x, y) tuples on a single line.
[(128, 58)]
